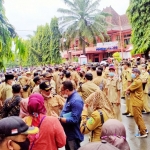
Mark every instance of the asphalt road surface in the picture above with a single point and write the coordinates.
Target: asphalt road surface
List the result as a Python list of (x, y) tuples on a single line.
[(131, 130)]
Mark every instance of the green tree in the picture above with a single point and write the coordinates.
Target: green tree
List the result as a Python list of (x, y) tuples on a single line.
[(6, 34), (83, 20), (138, 13), (39, 46), (55, 41), (21, 51)]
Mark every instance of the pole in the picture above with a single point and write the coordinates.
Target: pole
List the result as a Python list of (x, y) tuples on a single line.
[(121, 37)]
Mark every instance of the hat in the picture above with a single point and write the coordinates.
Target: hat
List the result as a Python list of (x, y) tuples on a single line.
[(45, 86), (9, 77), (103, 145), (143, 65), (36, 78), (47, 75), (60, 66), (136, 70), (14, 125), (29, 73), (112, 68)]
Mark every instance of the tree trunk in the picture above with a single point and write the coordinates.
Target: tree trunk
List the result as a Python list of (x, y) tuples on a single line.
[(83, 46)]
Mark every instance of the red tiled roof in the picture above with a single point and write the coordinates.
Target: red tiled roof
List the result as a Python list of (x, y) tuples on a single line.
[(119, 22)]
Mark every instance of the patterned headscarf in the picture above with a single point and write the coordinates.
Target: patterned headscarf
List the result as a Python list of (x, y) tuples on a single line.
[(98, 100), (113, 131)]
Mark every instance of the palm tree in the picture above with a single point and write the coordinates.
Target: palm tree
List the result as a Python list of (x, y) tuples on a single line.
[(83, 20)]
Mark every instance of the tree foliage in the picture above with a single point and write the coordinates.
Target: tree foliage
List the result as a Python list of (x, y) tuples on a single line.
[(138, 13), (55, 41), (39, 46), (7, 32), (44, 45), (83, 20)]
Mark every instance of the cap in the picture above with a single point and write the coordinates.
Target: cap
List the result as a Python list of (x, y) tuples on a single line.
[(36, 78), (9, 77), (60, 66), (47, 75), (112, 68), (14, 125), (28, 73), (143, 65), (136, 70), (45, 86)]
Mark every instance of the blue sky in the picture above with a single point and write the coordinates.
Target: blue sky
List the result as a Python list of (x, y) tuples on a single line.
[(26, 15)]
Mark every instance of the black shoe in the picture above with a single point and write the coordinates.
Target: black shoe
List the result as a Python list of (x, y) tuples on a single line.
[(129, 115), (125, 113), (145, 112)]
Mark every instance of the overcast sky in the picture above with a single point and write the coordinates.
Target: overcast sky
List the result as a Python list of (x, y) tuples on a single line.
[(26, 15)]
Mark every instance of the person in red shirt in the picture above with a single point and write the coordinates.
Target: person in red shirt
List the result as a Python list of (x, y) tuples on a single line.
[(51, 135)]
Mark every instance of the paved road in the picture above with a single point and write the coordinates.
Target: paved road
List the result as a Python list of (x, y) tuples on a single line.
[(131, 129)]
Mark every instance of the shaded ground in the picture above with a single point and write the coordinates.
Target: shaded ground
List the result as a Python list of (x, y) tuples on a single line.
[(131, 130)]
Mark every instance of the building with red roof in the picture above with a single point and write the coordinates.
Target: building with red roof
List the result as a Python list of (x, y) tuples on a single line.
[(119, 31)]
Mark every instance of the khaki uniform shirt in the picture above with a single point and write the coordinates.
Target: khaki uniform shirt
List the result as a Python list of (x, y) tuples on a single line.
[(93, 124), (144, 76), (59, 84), (5, 91), (126, 77), (25, 81), (53, 85), (98, 80), (54, 103), (136, 92), (75, 76), (36, 89), (94, 74), (87, 88), (55, 76), (113, 86)]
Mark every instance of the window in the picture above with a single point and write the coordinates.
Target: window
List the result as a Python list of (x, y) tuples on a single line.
[(127, 41), (118, 38), (127, 35)]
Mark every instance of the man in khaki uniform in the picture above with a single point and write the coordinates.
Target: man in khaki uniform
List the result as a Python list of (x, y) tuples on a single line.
[(113, 92), (126, 81), (74, 75), (68, 77), (99, 79), (136, 96), (144, 76), (37, 82), (6, 88), (52, 102), (48, 77), (60, 80), (88, 87), (94, 72), (56, 77), (24, 81)]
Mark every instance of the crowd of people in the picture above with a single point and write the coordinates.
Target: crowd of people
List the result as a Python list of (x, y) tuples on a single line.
[(49, 108)]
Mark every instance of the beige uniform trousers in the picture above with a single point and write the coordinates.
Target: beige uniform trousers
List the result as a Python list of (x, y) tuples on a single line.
[(145, 102), (138, 119), (117, 111), (128, 105)]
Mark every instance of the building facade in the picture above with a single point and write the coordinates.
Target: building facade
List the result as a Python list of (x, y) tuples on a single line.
[(119, 32)]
